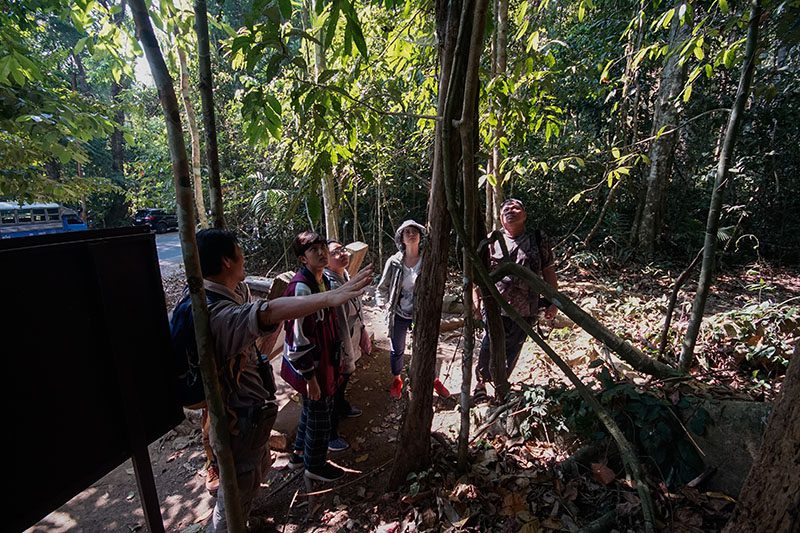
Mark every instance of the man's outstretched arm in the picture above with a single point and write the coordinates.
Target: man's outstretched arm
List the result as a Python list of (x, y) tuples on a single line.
[(288, 308)]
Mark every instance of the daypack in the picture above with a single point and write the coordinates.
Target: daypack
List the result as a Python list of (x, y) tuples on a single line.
[(188, 379)]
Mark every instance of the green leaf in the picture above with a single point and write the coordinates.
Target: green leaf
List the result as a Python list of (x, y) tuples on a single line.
[(615, 152), (80, 45), (687, 93), (358, 37), (698, 53), (333, 21), (326, 75), (286, 9), (723, 5), (728, 57)]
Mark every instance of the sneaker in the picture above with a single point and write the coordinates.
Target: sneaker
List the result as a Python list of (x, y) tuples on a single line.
[(338, 445), (212, 480), (440, 389), (354, 412), (397, 387), (479, 395), (296, 461), (326, 472)]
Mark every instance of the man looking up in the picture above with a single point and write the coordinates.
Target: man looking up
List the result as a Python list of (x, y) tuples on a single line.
[(235, 323), (531, 250)]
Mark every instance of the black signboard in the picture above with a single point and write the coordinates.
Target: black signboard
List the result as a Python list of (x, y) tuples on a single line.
[(86, 349)]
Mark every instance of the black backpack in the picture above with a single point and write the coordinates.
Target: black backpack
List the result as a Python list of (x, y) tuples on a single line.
[(188, 380)]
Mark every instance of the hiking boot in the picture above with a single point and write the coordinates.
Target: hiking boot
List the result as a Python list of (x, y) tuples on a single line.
[(296, 461), (326, 472), (212, 480), (397, 387), (440, 389), (354, 412), (338, 445)]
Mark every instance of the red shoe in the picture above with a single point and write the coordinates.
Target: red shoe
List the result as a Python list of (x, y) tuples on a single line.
[(212, 479), (440, 389), (397, 387)]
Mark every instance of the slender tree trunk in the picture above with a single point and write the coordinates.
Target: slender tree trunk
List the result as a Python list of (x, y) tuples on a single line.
[(721, 181), (117, 139), (466, 128), (191, 260), (673, 299), (413, 449), (194, 135), (770, 497), (79, 82), (662, 151), (329, 204), (209, 116), (500, 64)]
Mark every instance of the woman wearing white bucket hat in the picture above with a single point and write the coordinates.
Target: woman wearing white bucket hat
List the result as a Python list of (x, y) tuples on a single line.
[(395, 294)]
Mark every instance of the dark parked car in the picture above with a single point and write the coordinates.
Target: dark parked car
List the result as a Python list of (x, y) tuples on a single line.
[(156, 219)]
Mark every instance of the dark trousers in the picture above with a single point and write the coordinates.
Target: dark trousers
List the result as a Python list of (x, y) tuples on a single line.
[(398, 339), (313, 431), (341, 407), (251, 459), (515, 338)]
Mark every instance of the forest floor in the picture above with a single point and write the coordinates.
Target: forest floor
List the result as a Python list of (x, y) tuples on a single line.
[(515, 481)]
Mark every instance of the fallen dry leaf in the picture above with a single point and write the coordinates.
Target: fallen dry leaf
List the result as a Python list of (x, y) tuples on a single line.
[(602, 473), (513, 503), (362, 458)]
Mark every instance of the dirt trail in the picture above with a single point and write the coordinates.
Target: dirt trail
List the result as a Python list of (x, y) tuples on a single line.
[(113, 504)]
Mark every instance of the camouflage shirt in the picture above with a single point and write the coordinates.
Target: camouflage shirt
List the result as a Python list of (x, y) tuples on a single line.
[(526, 251)]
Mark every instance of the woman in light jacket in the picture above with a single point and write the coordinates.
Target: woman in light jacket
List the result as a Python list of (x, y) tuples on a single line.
[(395, 295)]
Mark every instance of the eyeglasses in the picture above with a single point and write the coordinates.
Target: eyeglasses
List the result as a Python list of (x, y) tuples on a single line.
[(340, 252)]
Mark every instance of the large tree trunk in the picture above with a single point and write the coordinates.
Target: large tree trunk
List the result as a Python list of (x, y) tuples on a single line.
[(191, 260), (662, 151), (209, 116), (770, 498), (413, 448), (721, 181), (194, 135)]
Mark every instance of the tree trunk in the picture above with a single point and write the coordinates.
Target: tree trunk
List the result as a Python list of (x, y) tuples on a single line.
[(770, 498), (191, 260), (413, 448), (662, 151), (466, 128), (194, 135), (500, 67), (117, 140), (329, 204), (725, 156), (206, 87)]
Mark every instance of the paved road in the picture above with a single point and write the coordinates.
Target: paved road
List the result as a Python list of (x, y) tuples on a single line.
[(170, 259)]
